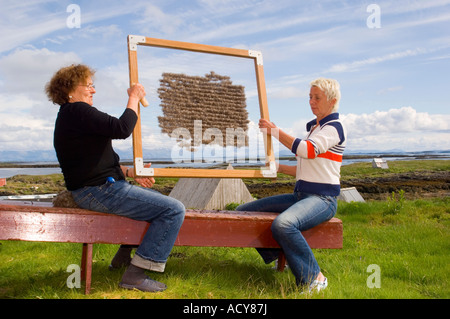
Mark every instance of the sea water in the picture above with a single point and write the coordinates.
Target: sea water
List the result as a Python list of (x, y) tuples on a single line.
[(28, 168)]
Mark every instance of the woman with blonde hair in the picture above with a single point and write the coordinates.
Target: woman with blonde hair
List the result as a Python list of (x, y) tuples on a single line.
[(313, 201)]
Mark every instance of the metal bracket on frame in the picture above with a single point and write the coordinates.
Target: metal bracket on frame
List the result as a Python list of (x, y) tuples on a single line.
[(271, 171), (140, 169), (257, 55), (134, 40)]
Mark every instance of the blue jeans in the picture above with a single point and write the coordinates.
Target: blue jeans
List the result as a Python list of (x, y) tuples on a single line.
[(298, 212), (165, 214)]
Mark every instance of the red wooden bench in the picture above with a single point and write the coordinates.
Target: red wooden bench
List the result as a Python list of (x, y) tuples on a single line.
[(42, 222)]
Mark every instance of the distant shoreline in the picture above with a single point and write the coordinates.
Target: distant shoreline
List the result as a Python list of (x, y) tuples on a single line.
[(416, 178), (286, 158)]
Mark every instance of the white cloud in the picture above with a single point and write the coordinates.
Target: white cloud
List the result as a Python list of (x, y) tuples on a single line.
[(228, 7), (287, 92), (406, 142), (154, 18), (250, 27), (390, 89), (27, 117), (27, 70), (402, 128), (355, 65), (402, 120), (396, 7), (20, 128), (24, 132), (23, 22)]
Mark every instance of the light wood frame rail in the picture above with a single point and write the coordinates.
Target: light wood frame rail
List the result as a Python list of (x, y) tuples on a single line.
[(269, 171)]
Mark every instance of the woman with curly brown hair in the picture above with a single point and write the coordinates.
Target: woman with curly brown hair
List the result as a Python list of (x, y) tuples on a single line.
[(83, 142)]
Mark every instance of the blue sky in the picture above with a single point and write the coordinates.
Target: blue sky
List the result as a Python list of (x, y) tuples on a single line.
[(392, 61)]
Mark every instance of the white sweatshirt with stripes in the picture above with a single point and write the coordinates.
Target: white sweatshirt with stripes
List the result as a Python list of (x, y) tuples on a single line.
[(319, 157)]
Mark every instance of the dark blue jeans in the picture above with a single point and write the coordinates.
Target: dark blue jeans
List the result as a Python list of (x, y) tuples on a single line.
[(298, 212), (165, 214)]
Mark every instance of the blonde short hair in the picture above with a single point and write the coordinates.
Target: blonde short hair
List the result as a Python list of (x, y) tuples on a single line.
[(331, 88)]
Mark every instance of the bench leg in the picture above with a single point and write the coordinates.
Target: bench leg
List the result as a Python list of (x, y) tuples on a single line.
[(86, 266), (281, 261)]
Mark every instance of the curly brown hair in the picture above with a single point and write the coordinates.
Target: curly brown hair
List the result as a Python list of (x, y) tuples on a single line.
[(65, 80)]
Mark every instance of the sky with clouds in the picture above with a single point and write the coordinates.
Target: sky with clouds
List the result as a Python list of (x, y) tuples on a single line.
[(392, 59)]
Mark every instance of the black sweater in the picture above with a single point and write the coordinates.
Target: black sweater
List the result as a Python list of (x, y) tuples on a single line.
[(83, 143)]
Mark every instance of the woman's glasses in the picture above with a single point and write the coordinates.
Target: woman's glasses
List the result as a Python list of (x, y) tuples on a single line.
[(88, 86)]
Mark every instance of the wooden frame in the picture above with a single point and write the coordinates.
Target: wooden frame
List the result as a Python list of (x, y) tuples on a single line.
[(269, 171)]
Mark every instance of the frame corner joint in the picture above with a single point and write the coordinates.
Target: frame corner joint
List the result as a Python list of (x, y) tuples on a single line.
[(257, 55), (271, 171), (140, 170), (134, 40)]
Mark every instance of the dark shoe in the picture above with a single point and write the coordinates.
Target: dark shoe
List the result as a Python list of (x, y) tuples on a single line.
[(147, 285), (122, 258), (117, 265)]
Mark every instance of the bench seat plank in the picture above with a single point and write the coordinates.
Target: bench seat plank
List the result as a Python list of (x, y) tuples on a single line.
[(200, 228)]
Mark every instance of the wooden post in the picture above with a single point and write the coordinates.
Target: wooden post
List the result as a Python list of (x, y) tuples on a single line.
[(134, 78), (264, 108), (86, 266)]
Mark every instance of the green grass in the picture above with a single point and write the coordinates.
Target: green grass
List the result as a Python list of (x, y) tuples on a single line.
[(28, 184), (365, 170), (408, 240), (33, 184), (410, 244)]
